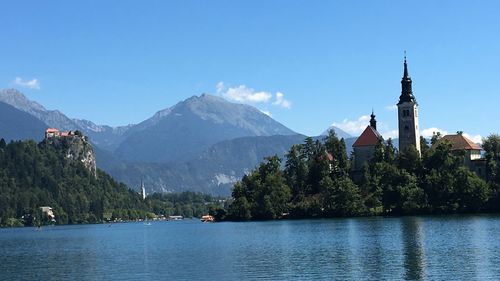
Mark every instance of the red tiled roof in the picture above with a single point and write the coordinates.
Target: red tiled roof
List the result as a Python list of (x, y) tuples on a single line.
[(329, 156), (51, 130), (369, 137), (460, 142)]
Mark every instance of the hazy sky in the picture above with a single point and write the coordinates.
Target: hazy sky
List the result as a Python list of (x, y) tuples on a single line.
[(307, 63)]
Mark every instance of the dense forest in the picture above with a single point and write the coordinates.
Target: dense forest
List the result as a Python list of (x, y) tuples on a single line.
[(315, 181), (34, 175)]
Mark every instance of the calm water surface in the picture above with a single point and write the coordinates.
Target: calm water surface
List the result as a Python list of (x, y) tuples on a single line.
[(412, 248)]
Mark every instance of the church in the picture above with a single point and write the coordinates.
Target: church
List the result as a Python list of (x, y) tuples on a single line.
[(364, 146), (409, 136)]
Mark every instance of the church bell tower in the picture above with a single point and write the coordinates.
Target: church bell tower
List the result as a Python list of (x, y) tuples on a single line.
[(408, 115)]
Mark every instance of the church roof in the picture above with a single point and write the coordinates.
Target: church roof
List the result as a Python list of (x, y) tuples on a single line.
[(406, 91), (460, 142), (369, 137), (51, 130)]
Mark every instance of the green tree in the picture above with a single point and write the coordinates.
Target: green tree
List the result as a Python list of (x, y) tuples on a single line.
[(337, 149), (296, 171), (341, 197), (472, 192), (263, 194)]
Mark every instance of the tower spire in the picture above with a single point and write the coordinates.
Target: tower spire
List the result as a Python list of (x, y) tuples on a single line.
[(409, 135), (143, 190), (406, 91), (373, 122), (405, 74)]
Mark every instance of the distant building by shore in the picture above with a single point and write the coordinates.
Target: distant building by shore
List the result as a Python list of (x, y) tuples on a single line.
[(49, 213), (472, 157)]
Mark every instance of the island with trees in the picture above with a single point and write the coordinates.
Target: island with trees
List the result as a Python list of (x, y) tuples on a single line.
[(315, 182)]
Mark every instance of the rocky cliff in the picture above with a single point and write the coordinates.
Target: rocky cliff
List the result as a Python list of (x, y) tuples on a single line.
[(76, 147)]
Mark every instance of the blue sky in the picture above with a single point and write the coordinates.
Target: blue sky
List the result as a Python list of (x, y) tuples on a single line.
[(309, 64)]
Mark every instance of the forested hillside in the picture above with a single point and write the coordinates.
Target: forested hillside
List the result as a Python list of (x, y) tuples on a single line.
[(34, 175)]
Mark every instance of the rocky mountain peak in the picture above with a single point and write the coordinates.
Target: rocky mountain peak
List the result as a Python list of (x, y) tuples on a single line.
[(19, 101), (340, 133)]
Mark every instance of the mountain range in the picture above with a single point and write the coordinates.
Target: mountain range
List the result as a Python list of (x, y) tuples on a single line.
[(203, 143), (17, 125), (191, 126)]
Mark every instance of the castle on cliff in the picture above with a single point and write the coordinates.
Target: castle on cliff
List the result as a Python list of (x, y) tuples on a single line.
[(75, 145)]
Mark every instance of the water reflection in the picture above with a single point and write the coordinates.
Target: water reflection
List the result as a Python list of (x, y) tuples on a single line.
[(370, 251), (413, 247)]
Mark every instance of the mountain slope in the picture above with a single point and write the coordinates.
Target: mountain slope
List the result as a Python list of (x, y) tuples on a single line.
[(18, 125), (105, 136), (204, 143), (340, 133), (186, 129), (53, 118), (213, 171)]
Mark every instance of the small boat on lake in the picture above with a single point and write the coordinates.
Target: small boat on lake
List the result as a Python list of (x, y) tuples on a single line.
[(175, 218), (207, 218)]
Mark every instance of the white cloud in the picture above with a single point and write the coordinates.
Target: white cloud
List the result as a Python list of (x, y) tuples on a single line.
[(475, 139), (30, 84), (391, 107), (427, 133), (392, 134), (244, 94), (354, 127), (281, 101), (267, 112), (220, 87)]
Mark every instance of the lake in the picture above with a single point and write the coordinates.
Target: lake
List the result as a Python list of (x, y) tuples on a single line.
[(411, 248)]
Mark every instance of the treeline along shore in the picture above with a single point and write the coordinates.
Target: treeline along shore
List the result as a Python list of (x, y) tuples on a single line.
[(34, 176), (315, 181)]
